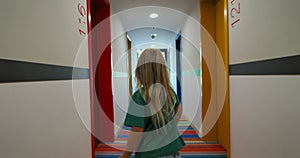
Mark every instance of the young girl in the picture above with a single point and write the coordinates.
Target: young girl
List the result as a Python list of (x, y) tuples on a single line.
[(154, 111)]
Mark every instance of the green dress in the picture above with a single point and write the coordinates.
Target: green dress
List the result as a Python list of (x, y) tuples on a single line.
[(155, 142)]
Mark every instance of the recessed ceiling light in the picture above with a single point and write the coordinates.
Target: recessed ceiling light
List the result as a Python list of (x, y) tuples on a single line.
[(153, 15)]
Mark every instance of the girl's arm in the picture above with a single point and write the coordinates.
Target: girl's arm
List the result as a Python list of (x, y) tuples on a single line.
[(178, 113), (133, 141)]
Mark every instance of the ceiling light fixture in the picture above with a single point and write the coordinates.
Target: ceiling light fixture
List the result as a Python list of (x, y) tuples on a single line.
[(153, 15), (153, 36)]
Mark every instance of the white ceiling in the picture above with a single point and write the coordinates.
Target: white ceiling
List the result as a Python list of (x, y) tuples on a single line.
[(134, 15), (141, 38), (180, 5)]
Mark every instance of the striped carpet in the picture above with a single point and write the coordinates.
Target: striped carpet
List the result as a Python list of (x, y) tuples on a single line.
[(194, 148)]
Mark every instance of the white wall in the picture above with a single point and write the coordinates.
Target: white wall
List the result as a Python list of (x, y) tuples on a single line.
[(265, 116), (264, 109), (45, 32), (172, 66), (39, 119), (191, 62), (120, 71), (267, 29)]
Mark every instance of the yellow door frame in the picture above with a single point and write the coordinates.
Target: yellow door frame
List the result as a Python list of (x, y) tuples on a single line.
[(214, 19)]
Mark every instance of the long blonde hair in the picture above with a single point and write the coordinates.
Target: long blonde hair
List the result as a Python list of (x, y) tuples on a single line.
[(153, 78)]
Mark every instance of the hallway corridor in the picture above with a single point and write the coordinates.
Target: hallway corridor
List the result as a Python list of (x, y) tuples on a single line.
[(194, 146)]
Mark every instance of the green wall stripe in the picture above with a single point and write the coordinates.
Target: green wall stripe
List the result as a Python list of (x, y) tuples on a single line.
[(196, 72), (119, 74)]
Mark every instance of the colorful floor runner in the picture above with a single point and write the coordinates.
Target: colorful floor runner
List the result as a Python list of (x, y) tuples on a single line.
[(194, 148)]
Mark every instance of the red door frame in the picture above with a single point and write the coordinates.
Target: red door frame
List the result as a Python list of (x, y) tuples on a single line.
[(100, 74)]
